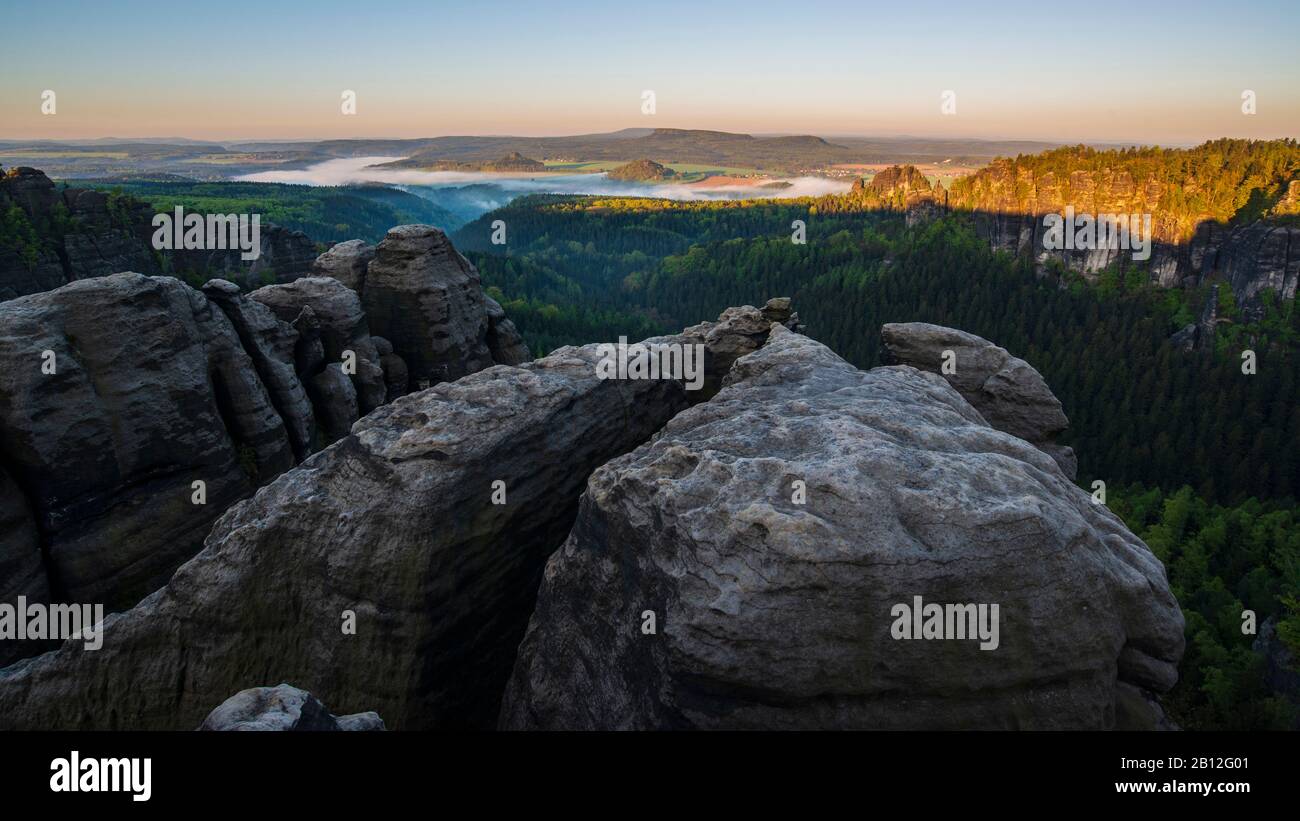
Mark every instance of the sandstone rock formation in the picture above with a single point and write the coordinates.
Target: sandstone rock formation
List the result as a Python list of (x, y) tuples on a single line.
[(346, 262), (283, 709), (769, 613), (151, 390), (271, 344), (78, 233), (738, 331), (395, 524), (1007, 202), (102, 236), (426, 299), (341, 326), (156, 386), (1008, 392)]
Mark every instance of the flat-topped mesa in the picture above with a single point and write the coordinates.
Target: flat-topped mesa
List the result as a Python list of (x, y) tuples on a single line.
[(430, 523), (1008, 392), (745, 569)]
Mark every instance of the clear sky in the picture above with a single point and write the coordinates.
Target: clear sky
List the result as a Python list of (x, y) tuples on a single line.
[(1152, 71)]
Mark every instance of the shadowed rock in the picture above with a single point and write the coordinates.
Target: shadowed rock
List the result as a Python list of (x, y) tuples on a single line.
[(152, 391), (21, 569), (342, 327), (771, 613), (271, 343), (336, 401), (426, 299), (397, 524)]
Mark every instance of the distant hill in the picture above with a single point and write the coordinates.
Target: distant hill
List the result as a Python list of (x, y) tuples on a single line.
[(642, 171), (782, 153), (512, 162), (676, 145)]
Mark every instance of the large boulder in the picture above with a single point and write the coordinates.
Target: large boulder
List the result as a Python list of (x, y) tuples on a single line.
[(426, 299), (151, 392), (745, 569), (426, 528), (283, 709), (1008, 392), (346, 262)]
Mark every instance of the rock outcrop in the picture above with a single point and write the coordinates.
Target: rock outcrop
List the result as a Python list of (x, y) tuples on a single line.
[(698, 590), (738, 331), (1008, 392), (271, 344), (63, 235), (426, 299), (117, 393), (1008, 199), (70, 234), (120, 392), (346, 262), (283, 709), (429, 524), (340, 324), (284, 255)]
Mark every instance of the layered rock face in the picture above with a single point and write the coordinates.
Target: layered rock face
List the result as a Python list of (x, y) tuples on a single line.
[(426, 299), (151, 390), (77, 233), (95, 239), (340, 324), (284, 255), (283, 709), (155, 386), (696, 591), (1008, 204), (428, 525), (1008, 392)]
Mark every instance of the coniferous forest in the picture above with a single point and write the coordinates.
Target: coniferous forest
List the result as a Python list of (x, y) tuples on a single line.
[(1201, 459)]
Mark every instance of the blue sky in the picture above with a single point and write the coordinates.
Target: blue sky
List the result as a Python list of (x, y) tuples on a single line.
[(1151, 72)]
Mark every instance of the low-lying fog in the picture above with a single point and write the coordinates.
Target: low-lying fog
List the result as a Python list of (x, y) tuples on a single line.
[(470, 194)]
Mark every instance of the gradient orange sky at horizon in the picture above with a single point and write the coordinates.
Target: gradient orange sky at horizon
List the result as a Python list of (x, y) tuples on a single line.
[(244, 71)]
